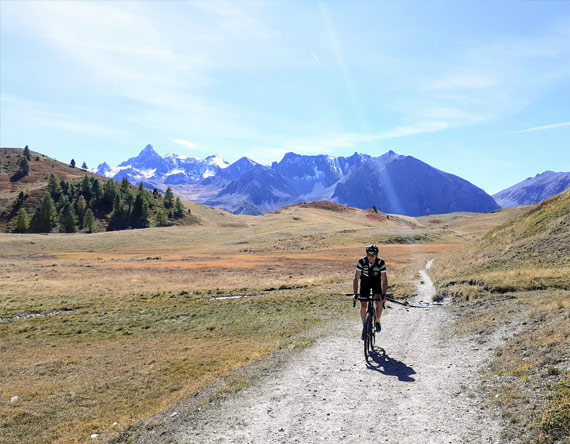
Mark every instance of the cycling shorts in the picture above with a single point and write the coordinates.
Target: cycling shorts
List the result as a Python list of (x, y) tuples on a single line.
[(365, 289)]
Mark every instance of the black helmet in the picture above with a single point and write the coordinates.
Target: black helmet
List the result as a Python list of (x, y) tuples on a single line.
[(371, 249)]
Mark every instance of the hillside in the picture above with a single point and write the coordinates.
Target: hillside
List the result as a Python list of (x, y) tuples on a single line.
[(542, 232), (70, 184), (34, 184), (518, 277)]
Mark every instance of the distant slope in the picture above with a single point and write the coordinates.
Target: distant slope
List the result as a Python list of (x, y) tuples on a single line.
[(539, 235), (34, 186), (533, 189)]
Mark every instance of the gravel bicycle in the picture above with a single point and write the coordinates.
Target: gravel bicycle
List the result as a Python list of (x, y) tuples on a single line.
[(368, 330)]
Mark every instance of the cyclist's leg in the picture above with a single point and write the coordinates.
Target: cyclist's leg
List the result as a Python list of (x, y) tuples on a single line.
[(363, 311), (377, 290), (379, 306), (364, 292)]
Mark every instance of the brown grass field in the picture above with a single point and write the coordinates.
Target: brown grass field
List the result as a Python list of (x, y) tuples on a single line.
[(105, 328), (518, 276)]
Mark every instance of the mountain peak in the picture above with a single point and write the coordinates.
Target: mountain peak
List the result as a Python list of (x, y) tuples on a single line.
[(217, 160), (102, 169), (391, 155), (149, 147), (148, 151)]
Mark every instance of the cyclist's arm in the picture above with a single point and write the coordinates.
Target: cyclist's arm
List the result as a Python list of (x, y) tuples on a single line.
[(384, 283), (355, 282)]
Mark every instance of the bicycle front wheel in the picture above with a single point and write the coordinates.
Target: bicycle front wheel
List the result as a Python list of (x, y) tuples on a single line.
[(368, 336)]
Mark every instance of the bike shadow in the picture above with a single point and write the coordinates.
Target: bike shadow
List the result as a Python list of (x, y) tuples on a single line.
[(379, 361)]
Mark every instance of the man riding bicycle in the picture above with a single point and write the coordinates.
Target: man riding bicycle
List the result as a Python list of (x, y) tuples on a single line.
[(371, 272)]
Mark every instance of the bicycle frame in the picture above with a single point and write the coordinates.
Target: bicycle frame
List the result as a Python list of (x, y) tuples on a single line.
[(368, 327)]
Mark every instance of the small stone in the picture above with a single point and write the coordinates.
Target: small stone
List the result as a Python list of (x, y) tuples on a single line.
[(94, 435), (14, 399)]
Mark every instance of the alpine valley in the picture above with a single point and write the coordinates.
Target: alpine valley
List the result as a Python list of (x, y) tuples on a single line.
[(391, 183)]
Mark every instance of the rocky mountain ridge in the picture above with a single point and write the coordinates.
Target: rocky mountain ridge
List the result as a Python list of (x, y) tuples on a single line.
[(533, 189), (391, 182)]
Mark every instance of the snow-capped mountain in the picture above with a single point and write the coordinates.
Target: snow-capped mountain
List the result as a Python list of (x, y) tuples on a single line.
[(533, 189), (305, 173), (152, 169), (391, 183), (103, 169)]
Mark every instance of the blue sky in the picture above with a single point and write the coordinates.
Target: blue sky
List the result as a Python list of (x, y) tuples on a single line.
[(477, 89)]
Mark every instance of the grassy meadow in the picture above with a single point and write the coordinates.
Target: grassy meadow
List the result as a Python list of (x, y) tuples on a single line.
[(99, 331), (518, 276)]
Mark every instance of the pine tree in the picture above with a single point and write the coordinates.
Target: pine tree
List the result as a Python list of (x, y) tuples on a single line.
[(85, 188), (84, 166), (139, 215), (96, 191), (24, 166), (168, 198), (161, 219), (109, 193), (72, 163), (54, 187), (120, 216), (22, 222), (129, 200), (27, 153), (67, 219), (118, 204), (81, 207), (46, 215), (89, 220), (125, 185), (178, 208), (65, 188)]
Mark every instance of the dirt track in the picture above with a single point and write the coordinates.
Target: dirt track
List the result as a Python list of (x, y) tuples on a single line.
[(422, 387)]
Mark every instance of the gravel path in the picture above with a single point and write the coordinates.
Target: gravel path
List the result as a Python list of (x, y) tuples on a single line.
[(421, 388)]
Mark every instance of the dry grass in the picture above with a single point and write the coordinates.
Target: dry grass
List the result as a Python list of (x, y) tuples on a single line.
[(124, 360), (520, 275), (116, 327)]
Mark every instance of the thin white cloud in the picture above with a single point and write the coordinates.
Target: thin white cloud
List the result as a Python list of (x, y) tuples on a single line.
[(43, 115), (186, 144), (351, 140), (543, 128)]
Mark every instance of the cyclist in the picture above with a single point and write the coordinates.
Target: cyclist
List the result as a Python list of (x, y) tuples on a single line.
[(371, 272)]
